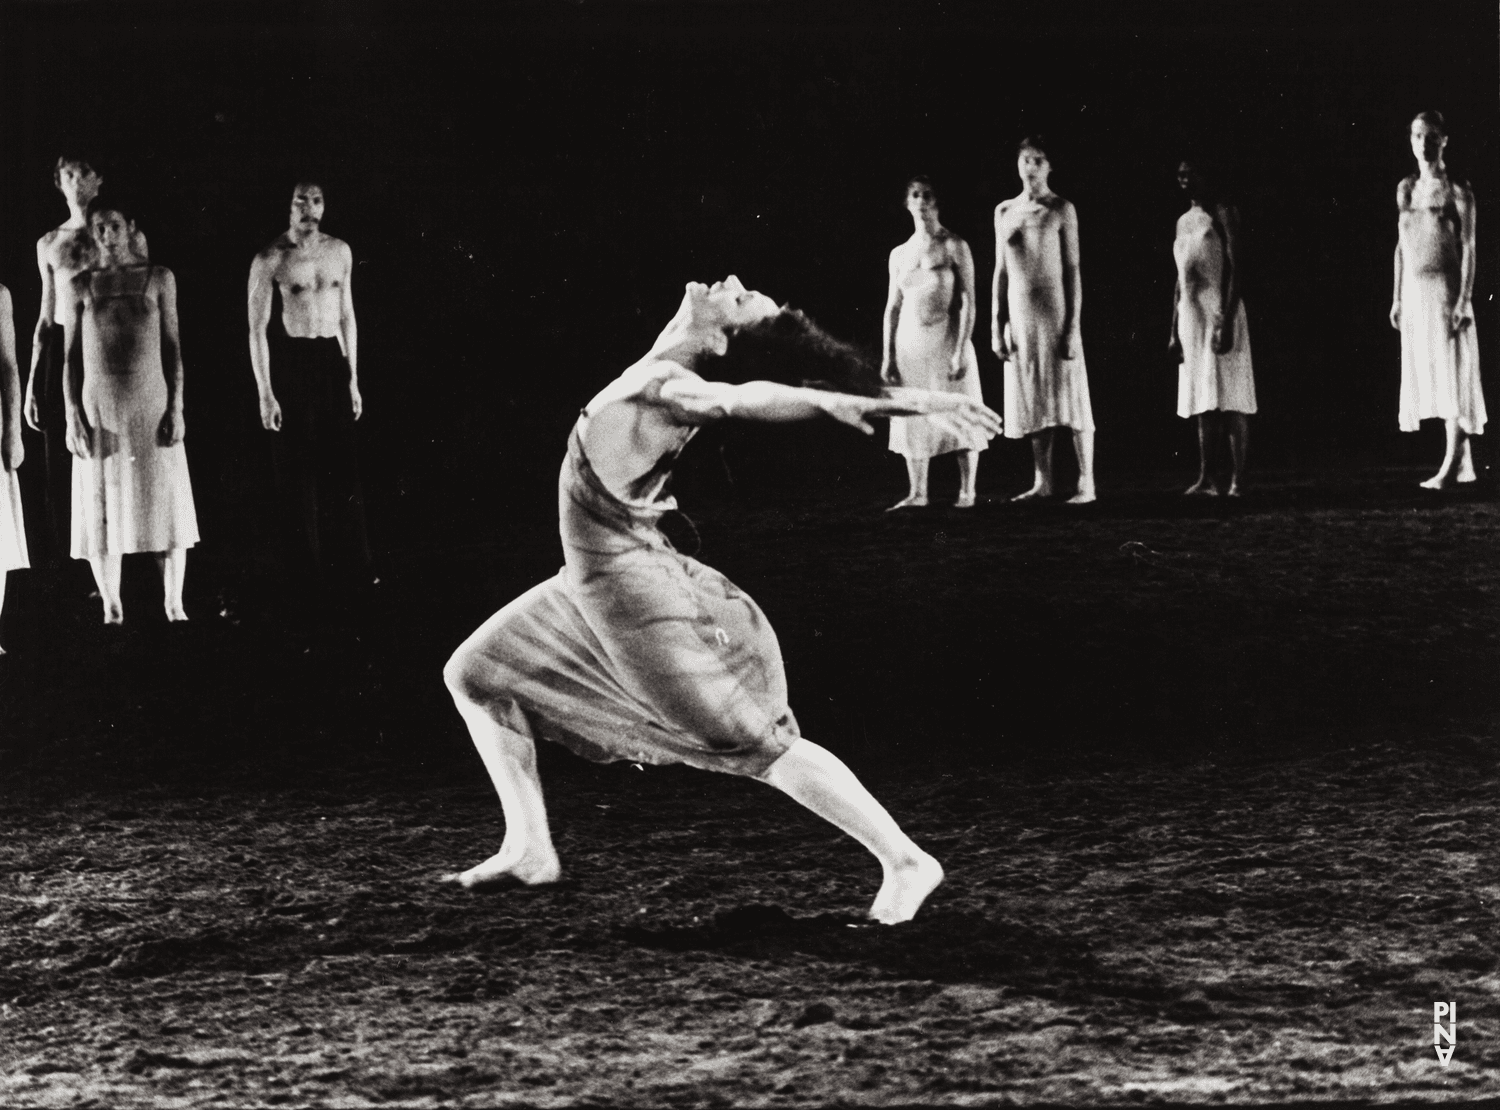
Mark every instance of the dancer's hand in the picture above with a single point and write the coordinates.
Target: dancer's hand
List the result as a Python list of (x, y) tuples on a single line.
[(889, 374), (270, 412), (1223, 338), (355, 400), (953, 411), (1174, 346), (1000, 341), (32, 409), (1396, 316), (1068, 345), (958, 367), (170, 431), (1463, 316), (12, 450), (79, 436)]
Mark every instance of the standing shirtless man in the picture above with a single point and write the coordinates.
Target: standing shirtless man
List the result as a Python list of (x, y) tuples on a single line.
[(307, 376), (61, 255), (1034, 315)]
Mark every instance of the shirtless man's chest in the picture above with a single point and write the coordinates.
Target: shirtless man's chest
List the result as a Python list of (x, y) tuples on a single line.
[(311, 280)]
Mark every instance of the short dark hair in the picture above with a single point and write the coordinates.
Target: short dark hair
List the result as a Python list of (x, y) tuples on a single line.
[(922, 179), (1433, 119), (109, 202), (69, 159), (789, 348), (1035, 141), (309, 183)]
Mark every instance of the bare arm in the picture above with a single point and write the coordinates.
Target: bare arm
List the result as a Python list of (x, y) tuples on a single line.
[(1174, 341), (963, 293), (1403, 195), (79, 435), (262, 282), (171, 430), (1463, 311), (889, 371), (1072, 280), (349, 331), (1229, 222), (43, 322), (11, 450), (999, 293)]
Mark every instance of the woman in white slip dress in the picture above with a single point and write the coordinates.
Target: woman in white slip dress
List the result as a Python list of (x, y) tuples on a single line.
[(131, 491), (1432, 306), (1034, 308), (928, 344), (1210, 336), (12, 527)]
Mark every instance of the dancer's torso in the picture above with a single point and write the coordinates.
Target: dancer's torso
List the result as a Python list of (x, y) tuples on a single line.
[(1431, 228), (121, 322), (1031, 236), (1200, 256)]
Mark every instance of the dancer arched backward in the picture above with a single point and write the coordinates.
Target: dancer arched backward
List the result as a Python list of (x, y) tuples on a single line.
[(636, 652), (928, 341), (131, 491), (1210, 335), (1036, 297), (13, 554), (1433, 303), (61, 255)]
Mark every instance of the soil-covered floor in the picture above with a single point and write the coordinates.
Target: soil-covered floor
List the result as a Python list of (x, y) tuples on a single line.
[(1216, 787)]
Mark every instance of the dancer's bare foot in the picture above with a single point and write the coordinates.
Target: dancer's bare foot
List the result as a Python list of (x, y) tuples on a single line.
[(1234, 489), (509, 865), (1466, 472), (1439, 480), (905, 889), (114, 613), (910, 501), (1035, 492), (965, 501), (1203, 487), (176, 612), (1085, 494)]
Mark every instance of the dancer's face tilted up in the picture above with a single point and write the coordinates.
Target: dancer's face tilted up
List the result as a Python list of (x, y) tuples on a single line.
[(726, 305), (1427, 141), (1189, 180), (112, 232), (1034, 168)]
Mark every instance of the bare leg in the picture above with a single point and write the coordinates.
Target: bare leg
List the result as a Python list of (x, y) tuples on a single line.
[(527, 853), (2, 600), (1466, 461), (173, 567), (968, 472), (106, 570), (1041, 461), (916, 478), (1456, 445), (1205, 483), (1239, 446), (1083, 446), (822, 782)]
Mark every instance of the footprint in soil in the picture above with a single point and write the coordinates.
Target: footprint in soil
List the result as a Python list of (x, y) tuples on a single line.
[(941, 946)]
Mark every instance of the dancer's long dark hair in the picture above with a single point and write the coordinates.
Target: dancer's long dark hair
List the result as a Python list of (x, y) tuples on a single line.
[(791, 349)]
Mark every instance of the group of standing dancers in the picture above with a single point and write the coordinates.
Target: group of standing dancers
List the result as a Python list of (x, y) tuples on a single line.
[(106, 391), (634, 651), (1037, 292)]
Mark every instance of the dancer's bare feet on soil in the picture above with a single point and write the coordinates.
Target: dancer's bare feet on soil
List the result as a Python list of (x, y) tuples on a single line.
[(1466, 471), (911, 501), (1204, 487), (965, 501), (905, 889), (1040, 490), (507, 866), (176, 612), (114, 613), (1439, 481), (1085, 494), (1235, 490)]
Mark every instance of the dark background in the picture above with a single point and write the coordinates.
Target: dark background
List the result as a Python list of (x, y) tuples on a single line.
[(527, 186)]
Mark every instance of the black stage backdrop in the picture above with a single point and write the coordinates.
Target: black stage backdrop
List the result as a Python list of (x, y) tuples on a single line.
[(527, 186)]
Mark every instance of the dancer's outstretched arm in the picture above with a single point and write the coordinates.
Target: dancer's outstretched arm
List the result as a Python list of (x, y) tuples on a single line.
[(693, 400)]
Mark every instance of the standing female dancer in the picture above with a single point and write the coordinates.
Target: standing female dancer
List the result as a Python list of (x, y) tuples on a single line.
[(1034, 308), (928, 341), (12, 526), (130, 477), (1432, 306), (1210, 336), (636, 652)]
